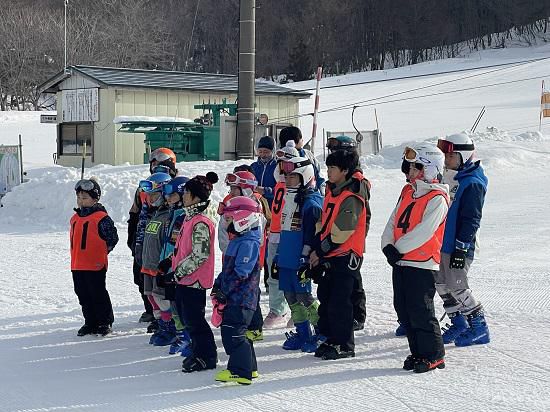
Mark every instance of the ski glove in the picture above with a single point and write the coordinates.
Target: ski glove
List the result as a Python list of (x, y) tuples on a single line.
[(165, 265), (217, 294), (316, 273), (458, 259), (392, 254), (166, 279)]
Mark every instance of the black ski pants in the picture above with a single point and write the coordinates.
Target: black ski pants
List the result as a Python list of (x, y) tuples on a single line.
[(335, 291), (89, 286), (359, 301), (242, 358), (191, 304), (413, 293)]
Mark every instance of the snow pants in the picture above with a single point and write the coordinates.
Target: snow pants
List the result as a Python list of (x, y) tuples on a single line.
[(191, 305), (138, 280), (92, 294), (413, 293), (242, 358), (335, 293), (277, 301), (452, 286)]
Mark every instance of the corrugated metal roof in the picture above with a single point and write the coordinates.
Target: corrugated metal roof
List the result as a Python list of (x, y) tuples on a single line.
[(111, 76)]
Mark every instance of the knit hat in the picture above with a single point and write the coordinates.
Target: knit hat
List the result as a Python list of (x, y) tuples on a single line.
[(266, 142), (201, 186)]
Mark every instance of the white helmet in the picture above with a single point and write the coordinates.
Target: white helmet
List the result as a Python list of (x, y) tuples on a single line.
[(284, 153), (301, 166), (244, 213), (430, 157), (458, 143)]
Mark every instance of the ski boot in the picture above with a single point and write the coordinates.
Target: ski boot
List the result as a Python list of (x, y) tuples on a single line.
[(167, 333), (425, 365), (255, 335), (182, 345), (103, 330), (477, 333), (409, 363), (86, 330), (193, 364), (153, 326), (146, 317), (295, 340), (458, 326), (337, 352), (227, 376)]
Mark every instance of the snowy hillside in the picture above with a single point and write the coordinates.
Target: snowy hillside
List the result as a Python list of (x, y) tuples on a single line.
[(46, 367)]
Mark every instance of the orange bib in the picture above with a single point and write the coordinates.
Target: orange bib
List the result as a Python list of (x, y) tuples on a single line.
[(277, 207), (331, 207), (408, 216), (88, 250)]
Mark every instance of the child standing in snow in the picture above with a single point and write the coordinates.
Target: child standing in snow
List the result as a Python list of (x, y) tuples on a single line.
[(339, 249), (411, 243), (93, 235), (153, 244), (193, 270), (237, 288), (459, 244), (301, 211)]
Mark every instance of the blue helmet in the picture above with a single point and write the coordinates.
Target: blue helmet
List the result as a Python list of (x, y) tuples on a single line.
[(155, 182), (341, 142), (176, 185)]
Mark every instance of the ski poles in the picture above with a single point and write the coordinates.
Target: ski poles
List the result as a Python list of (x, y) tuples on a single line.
[(479, 116)]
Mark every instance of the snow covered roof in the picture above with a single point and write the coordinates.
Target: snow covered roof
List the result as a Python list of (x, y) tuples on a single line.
[(120, 77)]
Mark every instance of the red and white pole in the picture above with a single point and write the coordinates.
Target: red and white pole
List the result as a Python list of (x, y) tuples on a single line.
[(316, 108)]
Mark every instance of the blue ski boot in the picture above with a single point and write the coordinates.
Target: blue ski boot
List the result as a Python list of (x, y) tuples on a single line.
[(477, 333), (311, 344), (167, 333), (295, 340), (182, 344), (458, 326)]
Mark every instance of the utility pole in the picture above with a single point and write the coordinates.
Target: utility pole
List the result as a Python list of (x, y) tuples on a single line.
[(247, 61), (65, 47)]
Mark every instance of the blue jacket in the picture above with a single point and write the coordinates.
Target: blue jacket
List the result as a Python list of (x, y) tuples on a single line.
[(170, 235), (265, 175), (240, 276), (464, 215), (292, 242)]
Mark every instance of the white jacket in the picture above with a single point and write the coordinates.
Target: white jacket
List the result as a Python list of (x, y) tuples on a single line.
[(434, 215)]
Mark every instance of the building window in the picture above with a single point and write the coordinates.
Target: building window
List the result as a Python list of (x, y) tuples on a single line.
[(72, 137)]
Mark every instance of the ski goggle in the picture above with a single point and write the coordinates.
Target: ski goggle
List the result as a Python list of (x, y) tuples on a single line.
[(148, 186), (84, 184), (161, 169), (159, 156), (289, 167), (449, 147), (236, 208), (232, 179), (281, 155)]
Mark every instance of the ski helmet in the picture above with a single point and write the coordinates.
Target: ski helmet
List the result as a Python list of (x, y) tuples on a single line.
[(301, 166), (428, 158), (176, 185), (246, 181), (243, 212), (458, 143), (155, 182), (160, 155), (341, 142), (89, 186)]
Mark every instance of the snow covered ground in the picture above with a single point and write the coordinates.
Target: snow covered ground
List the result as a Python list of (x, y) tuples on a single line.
[(47, 368)]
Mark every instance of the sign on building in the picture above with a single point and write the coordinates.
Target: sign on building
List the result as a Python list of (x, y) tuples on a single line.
[(48, 118), (10, 172), (80, 105)]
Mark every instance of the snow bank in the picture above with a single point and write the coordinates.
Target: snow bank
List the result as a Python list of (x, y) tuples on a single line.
[(47, 200)]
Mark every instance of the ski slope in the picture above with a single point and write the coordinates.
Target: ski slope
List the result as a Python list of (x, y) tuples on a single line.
[(46, 367)]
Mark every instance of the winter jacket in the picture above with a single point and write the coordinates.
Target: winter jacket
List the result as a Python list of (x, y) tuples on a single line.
[(465, 212), (154, 239), (176, 217), (265, 175), (145, 215), (133, 221), (350, 211), (433, 217), (93, 235), (240, 276), (301, 211), (193, 261)]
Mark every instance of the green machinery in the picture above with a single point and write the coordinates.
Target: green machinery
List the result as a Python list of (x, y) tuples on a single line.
[(190, 141)]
